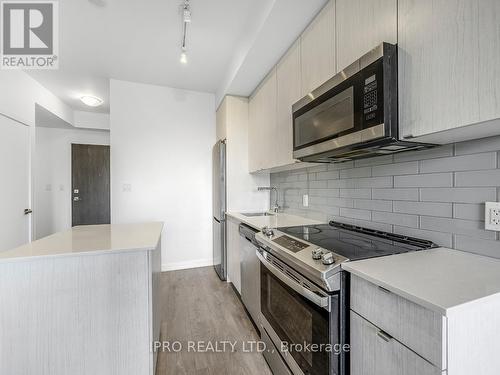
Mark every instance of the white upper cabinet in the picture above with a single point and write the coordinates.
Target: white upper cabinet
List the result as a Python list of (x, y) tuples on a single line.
[(362, 25), (449, 68), (288, 92), (318, 49), (262, 126)]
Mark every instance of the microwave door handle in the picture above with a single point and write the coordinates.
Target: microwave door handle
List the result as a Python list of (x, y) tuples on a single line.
[(323, 302)]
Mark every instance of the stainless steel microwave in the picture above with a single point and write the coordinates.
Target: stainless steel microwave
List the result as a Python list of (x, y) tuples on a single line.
[(354, 114)]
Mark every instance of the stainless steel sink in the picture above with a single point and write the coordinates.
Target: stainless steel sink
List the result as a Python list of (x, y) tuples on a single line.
[(254, 214)]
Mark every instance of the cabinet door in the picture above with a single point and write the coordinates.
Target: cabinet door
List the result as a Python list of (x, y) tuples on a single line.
[(221, 120), (362, 25), (317, 44), (449, 64), (254, 144), (375, 353), (233, 254), (261, 147), (288, 92)]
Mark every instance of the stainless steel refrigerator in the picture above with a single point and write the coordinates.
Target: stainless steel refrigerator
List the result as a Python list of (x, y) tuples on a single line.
[(219, 208)]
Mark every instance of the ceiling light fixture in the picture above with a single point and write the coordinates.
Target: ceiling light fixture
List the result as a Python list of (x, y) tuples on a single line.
[(91, 101), (186, 19)]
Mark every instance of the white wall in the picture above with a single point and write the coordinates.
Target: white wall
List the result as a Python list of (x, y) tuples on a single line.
[(161, 151), (19, 93), (91, 120), (52, 185)]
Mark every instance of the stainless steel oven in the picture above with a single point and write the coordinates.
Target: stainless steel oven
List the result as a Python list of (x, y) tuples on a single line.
[(354, 114), (305, 323), (305, 292)]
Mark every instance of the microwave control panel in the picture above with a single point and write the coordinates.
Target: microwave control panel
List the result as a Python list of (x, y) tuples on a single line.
[(370, 99)]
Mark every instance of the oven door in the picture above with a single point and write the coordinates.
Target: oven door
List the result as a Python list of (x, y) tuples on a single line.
[(299, 319)]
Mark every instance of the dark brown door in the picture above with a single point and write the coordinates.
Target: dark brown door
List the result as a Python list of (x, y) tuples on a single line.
[(90, 184)]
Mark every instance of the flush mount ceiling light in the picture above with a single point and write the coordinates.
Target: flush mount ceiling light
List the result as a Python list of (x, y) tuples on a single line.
[(186, 19), (91, 101)]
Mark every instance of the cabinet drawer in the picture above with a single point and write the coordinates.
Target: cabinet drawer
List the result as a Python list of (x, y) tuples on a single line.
[(420, 329), (375, 353)]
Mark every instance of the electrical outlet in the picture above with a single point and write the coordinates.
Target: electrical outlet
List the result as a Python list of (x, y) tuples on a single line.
[(305, 200), (492, 216)]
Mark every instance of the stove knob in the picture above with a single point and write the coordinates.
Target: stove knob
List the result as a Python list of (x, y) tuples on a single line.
[(317, 253), (327, 259), (268, 232)]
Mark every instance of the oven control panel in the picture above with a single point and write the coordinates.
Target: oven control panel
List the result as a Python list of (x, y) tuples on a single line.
[(290, 243)]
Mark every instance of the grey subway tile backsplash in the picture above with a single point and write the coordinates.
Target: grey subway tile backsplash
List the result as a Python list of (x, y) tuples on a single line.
[(373, 204), (396, 219), (468, 211), (436, 194), (424, 180), (478, 145), (478, 178), (458, 195), (356, 172), (432, 153), (477, 246), (424, 208), (356, 214), (458, 226), (328, 175), (396, 194), (410, 167), (355, 193), (459, 163)]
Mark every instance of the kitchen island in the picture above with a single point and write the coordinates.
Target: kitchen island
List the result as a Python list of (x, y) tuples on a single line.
[(82, 301)]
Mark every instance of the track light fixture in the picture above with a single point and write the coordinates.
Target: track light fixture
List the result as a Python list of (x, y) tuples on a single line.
[(186, 19)]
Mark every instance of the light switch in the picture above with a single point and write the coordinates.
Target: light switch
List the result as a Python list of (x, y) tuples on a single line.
[(126, 188)]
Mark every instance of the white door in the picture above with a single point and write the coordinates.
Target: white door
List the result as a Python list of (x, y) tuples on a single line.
[(14, 183)]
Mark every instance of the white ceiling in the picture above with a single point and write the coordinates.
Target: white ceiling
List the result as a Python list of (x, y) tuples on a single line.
[(231, 44)]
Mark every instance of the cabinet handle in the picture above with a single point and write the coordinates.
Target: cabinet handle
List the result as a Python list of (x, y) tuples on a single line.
[(384, 336), (385, 290)]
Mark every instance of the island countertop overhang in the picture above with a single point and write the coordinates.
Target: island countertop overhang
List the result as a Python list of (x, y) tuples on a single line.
[(91, 240)]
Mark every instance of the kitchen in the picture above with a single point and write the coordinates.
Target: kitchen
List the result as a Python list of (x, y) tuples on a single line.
[(300, 188)]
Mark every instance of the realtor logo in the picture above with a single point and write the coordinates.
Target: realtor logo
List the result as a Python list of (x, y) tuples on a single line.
[(29, 35)]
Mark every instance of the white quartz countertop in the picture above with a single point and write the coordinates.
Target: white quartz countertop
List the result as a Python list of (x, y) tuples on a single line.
[(90, 239), (274, 221), (439, 279)]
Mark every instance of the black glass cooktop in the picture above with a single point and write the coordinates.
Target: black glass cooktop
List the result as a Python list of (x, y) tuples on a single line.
[(356, 243)]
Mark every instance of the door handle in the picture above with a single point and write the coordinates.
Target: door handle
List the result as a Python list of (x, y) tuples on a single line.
[(27, 211)]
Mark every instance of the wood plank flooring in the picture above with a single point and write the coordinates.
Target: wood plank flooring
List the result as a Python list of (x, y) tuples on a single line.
[(197, 306)]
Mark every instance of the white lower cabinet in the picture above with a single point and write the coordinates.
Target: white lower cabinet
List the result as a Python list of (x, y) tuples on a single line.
[(374, 352), (233, 253)]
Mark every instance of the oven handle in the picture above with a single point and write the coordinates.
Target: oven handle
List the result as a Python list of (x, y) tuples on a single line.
[(323, 302)]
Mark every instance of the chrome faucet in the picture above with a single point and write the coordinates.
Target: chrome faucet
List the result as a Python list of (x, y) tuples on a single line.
[(276, 207)]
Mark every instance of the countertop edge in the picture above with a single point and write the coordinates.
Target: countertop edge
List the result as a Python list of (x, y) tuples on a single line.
[(241, 218), (77, 254), (297, 220)]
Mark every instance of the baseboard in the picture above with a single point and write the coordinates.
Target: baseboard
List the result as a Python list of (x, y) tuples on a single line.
[(174, 266)]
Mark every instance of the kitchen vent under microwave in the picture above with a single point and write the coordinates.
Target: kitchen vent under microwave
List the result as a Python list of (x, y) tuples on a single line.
[(354, 114)]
